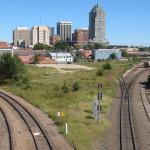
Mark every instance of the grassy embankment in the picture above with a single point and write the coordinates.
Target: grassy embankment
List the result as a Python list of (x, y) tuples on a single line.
[(46, 93)]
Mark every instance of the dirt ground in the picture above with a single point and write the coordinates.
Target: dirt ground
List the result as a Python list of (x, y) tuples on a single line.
[(59, 67)]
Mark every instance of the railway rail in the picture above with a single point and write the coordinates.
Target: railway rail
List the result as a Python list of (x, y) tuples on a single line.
[(39, 135), (127, 135), (7, 137), (145, 101)]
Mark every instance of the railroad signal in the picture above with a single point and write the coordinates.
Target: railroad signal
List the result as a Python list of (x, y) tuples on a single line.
[(99, 96), (100, 86), (96, 105)]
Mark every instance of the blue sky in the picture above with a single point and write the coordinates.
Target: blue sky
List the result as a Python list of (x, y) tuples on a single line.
[(127, 21)]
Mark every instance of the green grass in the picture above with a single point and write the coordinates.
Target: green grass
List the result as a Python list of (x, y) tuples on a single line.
[(46, 94)]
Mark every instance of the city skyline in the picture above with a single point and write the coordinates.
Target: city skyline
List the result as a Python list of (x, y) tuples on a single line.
[(126, 23)]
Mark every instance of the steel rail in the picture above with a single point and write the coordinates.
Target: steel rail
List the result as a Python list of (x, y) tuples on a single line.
[(12, 103), (9, 130)]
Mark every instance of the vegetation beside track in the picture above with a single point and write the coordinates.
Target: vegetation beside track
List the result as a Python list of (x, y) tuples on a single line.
[(52, 91)]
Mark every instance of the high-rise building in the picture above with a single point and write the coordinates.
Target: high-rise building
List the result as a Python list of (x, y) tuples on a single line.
[(54, 39), (97, 25), (64, 30), (81, 36), (40, 34), (22, 37), (51, 31)]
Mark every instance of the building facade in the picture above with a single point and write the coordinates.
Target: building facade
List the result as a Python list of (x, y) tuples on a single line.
[(80, 37), (61, 57), (54, 39), (40, 34), (52, 31), (3, 45), (64, 30), (97, 25), (104, 54), (22, 37)]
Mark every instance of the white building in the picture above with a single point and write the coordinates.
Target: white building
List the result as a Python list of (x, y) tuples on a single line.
[(62, 57), (104, 54), (40, 34), (11, 51)]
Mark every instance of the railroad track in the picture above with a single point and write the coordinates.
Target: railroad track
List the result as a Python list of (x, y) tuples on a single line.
[(6, 143), (39, 136), (147, 95), (127, 135), (145, 102)]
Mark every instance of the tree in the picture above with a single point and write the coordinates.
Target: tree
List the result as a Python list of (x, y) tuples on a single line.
[(7, 67), (124, 54), (12, 69), (41, 46), (62, 46), (113, 56), (99, 46)]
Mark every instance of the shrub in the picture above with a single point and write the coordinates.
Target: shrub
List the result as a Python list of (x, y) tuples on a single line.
[(107, 66), (75, 86), (113, 56), (12, 70), (100, 72), (23, 81), (124, 54), (65, 88), (148, 79)]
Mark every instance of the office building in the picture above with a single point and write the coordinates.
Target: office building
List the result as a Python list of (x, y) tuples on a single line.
[(54, 39), (64, 30), (51, 31), (97, 25), (40, 34), (22, 37), (80, 37)]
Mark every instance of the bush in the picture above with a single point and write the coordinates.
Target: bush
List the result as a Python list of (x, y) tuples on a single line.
[(75, 86), (100, 72), (124, 54), (65, 88), (113, 56), (148, 79), (12, 70), (23, 82), (107, 66)]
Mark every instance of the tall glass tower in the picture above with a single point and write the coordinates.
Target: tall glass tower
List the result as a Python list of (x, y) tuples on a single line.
[(97, 25), (64, 30)]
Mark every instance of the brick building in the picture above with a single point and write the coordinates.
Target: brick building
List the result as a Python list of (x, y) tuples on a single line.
[(54, 39), (81, 37), (3, 45)]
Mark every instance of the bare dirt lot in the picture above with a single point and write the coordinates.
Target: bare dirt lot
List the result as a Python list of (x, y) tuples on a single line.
[(60, 67)]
